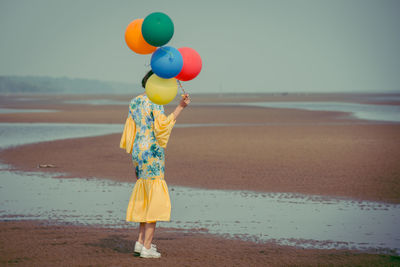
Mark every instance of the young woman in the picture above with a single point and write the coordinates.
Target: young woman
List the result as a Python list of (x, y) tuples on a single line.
[(146, 135)]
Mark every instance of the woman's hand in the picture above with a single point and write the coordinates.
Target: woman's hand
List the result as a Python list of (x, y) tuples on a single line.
[(185, 100)]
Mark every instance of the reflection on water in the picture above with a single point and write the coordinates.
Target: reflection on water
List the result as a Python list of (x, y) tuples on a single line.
[(13, 134), (14, 110), (360, 111), (97, 102), (382, 98), (292, 219)]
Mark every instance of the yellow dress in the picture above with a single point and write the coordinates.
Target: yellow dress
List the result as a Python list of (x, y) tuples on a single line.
[(146, 134)]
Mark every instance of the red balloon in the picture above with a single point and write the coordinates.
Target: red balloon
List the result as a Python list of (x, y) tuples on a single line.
[(191, 64)]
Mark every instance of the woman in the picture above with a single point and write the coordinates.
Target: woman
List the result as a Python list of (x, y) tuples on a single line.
[(146, 134)]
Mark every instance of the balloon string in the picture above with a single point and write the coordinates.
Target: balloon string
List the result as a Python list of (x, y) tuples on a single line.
[(180, 86), (166, 51)]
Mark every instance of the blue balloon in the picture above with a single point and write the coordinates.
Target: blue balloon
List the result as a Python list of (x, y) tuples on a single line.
[(166, 62)]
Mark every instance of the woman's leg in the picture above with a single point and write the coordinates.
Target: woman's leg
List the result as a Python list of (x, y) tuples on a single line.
[(149, 233), (142, 229)]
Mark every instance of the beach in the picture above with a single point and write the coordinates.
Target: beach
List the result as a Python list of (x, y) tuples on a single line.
[(213, 146), (67, 245)]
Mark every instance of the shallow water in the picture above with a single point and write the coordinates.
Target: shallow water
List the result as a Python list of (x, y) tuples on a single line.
[(360, 111), (382, 98), (291, 219), (14, 110), (13, 134), (96, 102)]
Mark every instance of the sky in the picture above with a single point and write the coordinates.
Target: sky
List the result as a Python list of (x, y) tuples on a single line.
[(246, 46)]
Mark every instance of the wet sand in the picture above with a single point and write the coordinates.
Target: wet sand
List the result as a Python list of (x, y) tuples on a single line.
[(324, 153), (67, 245)]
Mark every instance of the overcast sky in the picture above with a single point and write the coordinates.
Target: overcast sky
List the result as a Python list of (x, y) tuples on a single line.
[(246, 46)]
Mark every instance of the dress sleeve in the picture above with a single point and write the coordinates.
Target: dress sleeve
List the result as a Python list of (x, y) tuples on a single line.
[(128, 135), (162, 125)]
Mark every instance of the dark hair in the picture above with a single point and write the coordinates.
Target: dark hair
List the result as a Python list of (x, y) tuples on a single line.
[(146, 77)]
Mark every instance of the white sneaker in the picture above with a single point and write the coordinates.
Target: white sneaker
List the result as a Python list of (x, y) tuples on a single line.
[(149, 253), (138, 247)]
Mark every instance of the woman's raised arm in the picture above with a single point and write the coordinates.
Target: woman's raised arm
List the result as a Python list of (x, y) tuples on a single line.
[(184, 102)]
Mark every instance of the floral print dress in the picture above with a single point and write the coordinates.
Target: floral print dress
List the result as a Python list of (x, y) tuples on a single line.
[(149, 201)]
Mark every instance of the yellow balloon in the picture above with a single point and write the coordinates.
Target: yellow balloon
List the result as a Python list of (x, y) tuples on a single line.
[(161, 91)]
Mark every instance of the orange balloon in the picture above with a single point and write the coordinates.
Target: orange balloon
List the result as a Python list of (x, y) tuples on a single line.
[(134, 38)]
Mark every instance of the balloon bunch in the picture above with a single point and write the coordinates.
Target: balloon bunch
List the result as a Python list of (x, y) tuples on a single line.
[(170, 65)]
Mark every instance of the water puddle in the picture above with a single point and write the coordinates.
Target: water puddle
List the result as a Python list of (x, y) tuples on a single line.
[(290, 219), (382, 98), (360, 111), (96, 102), (13, 134), (14, 110)]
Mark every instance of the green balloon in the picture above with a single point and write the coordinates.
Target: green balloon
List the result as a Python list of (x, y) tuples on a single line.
[(157, 29)]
